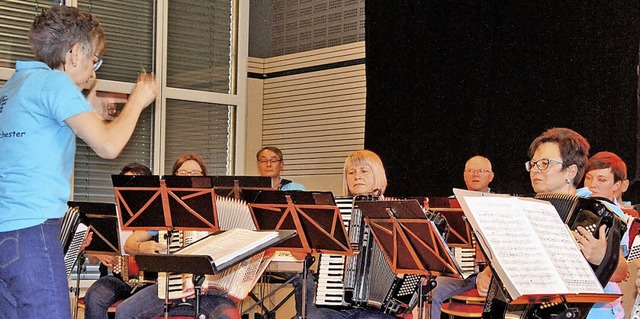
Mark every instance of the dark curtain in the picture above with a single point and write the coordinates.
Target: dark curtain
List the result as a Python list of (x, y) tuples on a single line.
[(450, 79)]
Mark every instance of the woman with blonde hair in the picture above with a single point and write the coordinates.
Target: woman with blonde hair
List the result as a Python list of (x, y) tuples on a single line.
[(364, 174)]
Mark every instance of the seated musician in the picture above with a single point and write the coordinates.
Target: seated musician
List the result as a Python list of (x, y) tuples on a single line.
[(606, 178), (478, 174), (146, 303), (558, 160), (605, 174), (109, 289), (271, 163), (477, 177), (363, 174)]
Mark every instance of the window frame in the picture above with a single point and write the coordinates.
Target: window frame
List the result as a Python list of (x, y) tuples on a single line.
[(236, 98)]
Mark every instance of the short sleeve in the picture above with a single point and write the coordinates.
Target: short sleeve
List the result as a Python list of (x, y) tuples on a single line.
[(62, 98)]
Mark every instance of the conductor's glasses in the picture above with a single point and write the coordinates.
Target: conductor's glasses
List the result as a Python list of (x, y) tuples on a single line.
[(541, 164), (97, 64), (273, 161)]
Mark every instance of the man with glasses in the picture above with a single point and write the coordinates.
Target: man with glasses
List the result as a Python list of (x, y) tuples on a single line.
[(478, 174), (271, 163)]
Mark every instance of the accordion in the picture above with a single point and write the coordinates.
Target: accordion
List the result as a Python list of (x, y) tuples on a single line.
[(366, 279), (574, 211), (589, 213), (72, 234)]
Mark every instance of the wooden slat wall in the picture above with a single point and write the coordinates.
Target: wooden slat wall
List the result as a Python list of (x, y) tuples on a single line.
[(316, 118)]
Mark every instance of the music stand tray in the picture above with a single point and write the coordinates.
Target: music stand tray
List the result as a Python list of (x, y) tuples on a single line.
[(411, 243), (202, 264)]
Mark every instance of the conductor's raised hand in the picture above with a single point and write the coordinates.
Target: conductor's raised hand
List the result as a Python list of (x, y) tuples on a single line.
[(145, 90)]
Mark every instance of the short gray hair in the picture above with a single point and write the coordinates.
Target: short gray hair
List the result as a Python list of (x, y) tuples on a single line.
[(58, 28)]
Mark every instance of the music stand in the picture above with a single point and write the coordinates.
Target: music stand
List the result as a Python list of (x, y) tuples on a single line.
[(173, 203), (410, 242), (234, 186), (102, 220), (460, 234), (313, 215)]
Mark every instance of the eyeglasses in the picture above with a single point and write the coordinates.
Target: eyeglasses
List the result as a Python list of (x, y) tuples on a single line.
[(184, 172), (272, 160), (541, 164), (477, 170), (97, 64)]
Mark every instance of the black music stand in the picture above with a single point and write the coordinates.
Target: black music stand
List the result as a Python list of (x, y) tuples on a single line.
[(313, 215), (234, 186), (410, 242), (102, 220), (173, 203)]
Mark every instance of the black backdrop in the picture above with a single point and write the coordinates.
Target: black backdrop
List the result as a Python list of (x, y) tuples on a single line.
[(450, 79)]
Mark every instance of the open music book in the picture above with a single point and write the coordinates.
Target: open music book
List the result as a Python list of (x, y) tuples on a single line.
[(530, 248), (228, 245), (233, 261)]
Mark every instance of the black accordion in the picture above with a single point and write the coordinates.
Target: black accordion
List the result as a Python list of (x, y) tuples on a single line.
[(574, 211)]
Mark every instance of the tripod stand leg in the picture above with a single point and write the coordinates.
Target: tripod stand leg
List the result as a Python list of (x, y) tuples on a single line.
[(425, 297), (197, 284), (305, 273), (79, 262)]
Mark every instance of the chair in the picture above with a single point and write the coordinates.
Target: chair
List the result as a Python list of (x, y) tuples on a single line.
[(468, 304)]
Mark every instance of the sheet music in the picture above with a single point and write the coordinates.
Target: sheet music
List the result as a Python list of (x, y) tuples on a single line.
[(561, 247), (532, 246), (229, 244)]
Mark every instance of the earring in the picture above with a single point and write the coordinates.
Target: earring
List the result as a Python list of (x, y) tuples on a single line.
[(567, 181), (74, 64)]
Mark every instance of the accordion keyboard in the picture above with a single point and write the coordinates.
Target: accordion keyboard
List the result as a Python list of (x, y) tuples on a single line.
[(330, 287)]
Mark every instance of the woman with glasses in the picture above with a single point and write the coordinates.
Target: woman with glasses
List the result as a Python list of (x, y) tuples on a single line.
[(558, 159), (42, 110), (146, 304), (189, 164)]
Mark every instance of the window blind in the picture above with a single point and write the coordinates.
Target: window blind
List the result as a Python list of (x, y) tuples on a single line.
[(202, 128), (130, 29), (199, 45), (129, 26), (15, 20), (200, 57)]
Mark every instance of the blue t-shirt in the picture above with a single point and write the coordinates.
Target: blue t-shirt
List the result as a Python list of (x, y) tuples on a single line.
[(37, 148), (293, 186)]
